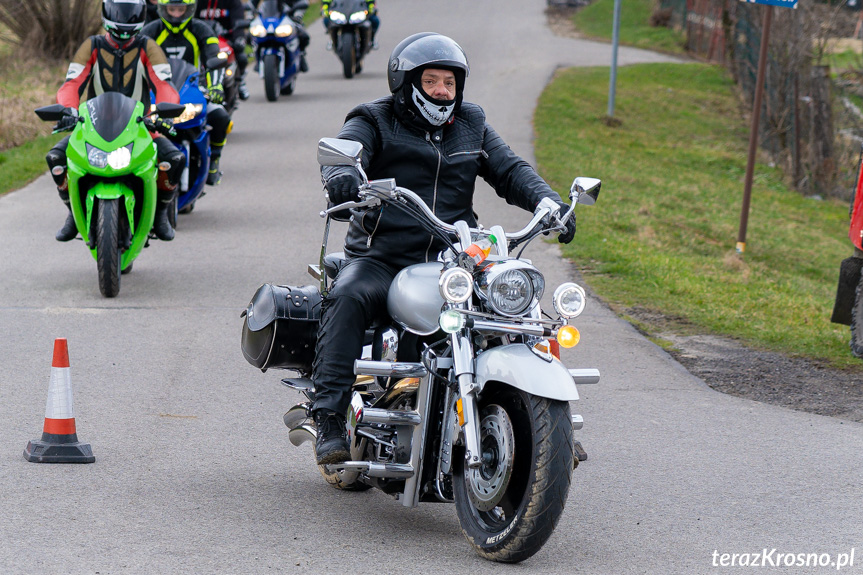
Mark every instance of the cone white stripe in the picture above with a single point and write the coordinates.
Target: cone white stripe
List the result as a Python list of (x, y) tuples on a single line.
[(60, 404)]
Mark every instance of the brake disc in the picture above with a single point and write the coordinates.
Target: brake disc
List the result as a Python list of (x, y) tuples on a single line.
[(488, 482)]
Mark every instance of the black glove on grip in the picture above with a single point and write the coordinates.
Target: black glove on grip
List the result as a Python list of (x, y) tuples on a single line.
[(343, 188)]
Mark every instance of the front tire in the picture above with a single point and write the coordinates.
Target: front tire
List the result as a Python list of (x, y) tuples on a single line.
[(348, 53), (508, 507), (108, 247), (857, 322), (271, 77)]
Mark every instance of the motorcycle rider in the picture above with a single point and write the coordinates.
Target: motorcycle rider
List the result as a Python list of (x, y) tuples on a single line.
[(152, 11), (431, 141), (227, 13), (183, 36), (287, 7), (374, 19), (121, 60)]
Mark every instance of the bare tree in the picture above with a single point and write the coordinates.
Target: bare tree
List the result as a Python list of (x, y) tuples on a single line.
[(50, 28)]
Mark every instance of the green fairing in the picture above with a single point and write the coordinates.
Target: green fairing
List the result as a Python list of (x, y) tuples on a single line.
[(143, 165)]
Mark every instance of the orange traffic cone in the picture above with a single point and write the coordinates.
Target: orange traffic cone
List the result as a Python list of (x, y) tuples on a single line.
[(59, 443)]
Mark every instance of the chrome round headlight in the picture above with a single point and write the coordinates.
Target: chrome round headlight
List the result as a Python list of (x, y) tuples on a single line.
[(456, 285), (569, 300), (511, 293)]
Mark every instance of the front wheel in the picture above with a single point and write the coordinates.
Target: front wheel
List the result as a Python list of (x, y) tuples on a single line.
[(348, 53), (509, 506), (857, 322), (108, 247), (271, 77)]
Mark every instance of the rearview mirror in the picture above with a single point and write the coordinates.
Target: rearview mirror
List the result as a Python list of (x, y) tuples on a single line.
[(52, 113), (168, 110), (336, 152), (585, 190)]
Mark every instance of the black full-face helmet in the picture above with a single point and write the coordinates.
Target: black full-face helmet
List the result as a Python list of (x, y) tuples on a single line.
[(123, 19), (424, 50)]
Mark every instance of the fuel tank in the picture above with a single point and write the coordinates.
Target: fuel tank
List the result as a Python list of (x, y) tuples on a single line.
[(414, 299)]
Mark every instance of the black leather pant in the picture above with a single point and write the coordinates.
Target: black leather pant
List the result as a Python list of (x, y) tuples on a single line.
[(218, 120), (358, 297)]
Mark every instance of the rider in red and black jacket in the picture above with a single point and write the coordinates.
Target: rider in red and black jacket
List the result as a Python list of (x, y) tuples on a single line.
[(227, 13), (119, 61)]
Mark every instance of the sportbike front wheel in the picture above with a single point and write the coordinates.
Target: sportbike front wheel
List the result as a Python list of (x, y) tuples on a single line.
[(348, 53), (509, 505), (108, 247), (271, 77)]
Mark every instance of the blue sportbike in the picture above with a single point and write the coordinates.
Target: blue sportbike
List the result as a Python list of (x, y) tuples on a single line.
[(276, 42), (192, 138)]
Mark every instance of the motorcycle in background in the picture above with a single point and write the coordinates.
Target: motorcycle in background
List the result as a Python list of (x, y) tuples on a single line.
[(111, 173), (276, 43), (230, 79), (461, 397), (350, 33)]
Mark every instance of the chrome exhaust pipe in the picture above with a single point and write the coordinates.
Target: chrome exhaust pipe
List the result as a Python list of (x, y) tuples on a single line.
[(391, 417), (389, 369), (297, 415), (584, 376), (388, 470), (303, 433)]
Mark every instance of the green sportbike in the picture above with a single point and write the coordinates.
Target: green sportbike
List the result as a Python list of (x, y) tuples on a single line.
[(111, 172)]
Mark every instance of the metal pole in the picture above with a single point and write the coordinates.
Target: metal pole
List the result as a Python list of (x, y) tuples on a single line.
[(615, 37), (753, 132)]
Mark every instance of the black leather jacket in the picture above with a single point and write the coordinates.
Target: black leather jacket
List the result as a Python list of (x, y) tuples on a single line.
[(440, 165)]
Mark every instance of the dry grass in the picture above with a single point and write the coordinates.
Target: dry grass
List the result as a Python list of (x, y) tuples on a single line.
[(28, 83)]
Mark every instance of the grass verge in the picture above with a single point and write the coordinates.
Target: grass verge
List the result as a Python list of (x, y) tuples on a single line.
[(20, 166), (662, 236), (595, 20)]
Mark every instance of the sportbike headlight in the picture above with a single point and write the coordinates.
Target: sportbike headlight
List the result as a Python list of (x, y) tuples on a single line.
[(117, 159), (257, 29), (569, 300), (358, 17), (189, 113), (284, 29), (456, 285), (338, 17)]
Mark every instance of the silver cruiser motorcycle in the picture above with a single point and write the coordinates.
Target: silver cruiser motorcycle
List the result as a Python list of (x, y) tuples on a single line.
[(460, 396)]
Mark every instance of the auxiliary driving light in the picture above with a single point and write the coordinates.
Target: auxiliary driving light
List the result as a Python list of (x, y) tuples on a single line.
[(569, 300), (451, 321), (456, 285), (568, 336)]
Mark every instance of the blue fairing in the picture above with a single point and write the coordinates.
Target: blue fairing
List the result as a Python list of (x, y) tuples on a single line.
[(286, 48), (192, 137)]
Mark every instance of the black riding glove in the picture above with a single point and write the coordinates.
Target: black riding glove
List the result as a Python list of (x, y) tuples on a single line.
[(344, 187), (568, 234), (68, 121)]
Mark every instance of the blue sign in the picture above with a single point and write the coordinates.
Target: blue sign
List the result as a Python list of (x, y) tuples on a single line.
[(781, 3)]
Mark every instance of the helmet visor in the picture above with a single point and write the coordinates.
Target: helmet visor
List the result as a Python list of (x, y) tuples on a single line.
[(124, 12), (175, 13)]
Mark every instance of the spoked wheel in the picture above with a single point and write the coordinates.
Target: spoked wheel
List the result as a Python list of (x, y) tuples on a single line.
[(509, 505), (271, 77), (108, 247), (348, 53), (857, 322)]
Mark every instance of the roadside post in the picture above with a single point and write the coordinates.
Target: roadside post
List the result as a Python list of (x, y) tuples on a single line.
[(756, 113), (615, 39)]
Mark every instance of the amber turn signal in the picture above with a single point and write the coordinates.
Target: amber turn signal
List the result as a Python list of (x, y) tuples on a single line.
[(568, 336)]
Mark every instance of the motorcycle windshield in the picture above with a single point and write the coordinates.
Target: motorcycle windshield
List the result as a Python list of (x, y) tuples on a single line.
[(180, 72), (270, 9), (347, 7), (110, 113)]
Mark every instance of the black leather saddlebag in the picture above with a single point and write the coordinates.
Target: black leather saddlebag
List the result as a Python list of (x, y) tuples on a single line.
[(280, 327)]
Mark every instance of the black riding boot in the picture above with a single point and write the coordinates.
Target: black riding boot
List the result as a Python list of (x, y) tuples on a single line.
[(161, 225), (331, 445), (69, 229), (214, 176)]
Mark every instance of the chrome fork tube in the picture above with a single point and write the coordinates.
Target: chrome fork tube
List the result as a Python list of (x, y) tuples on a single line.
[(462, 352)]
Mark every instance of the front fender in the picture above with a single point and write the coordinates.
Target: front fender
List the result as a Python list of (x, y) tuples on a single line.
[(518, 366)]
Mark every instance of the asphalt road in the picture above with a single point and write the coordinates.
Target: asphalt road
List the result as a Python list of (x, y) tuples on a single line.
[(194, 472)]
